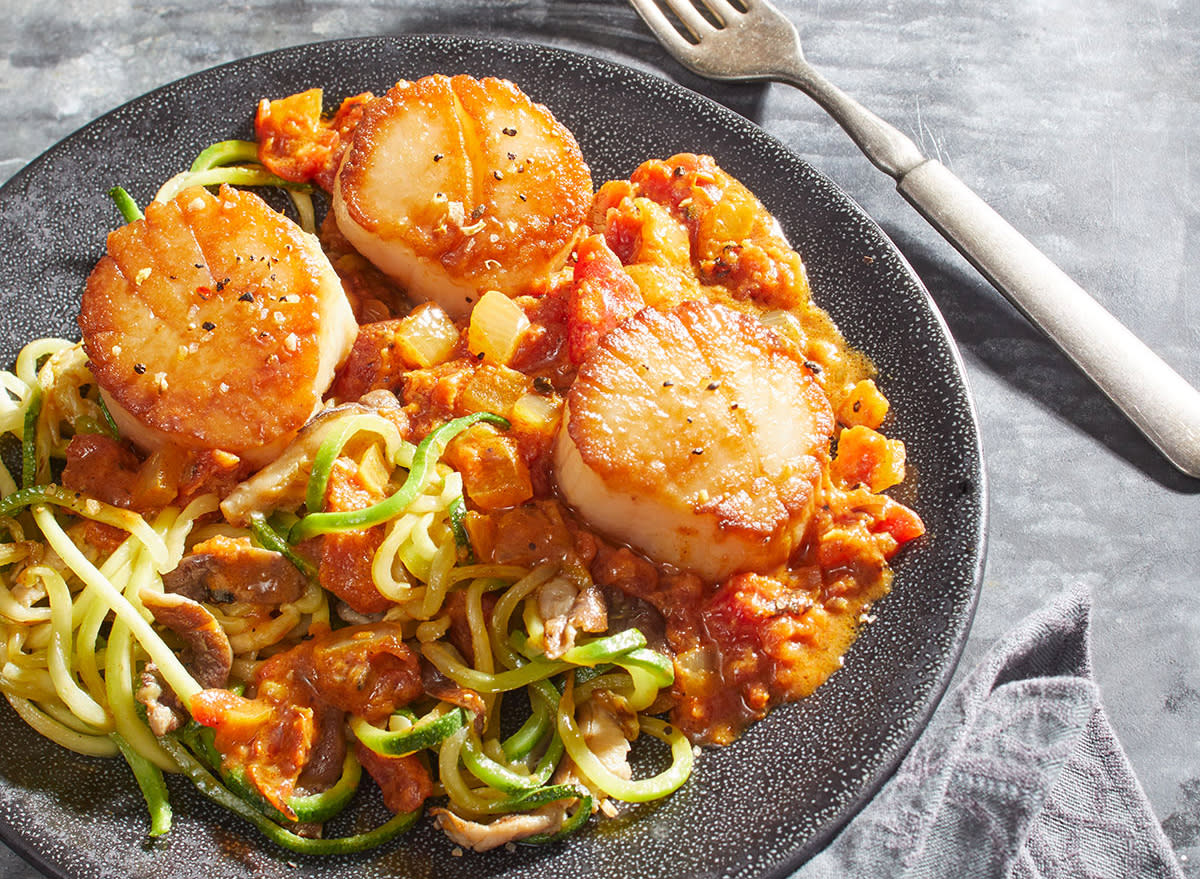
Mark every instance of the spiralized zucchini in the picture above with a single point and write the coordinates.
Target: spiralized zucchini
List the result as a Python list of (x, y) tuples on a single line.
[(75, 637), (235, 163)]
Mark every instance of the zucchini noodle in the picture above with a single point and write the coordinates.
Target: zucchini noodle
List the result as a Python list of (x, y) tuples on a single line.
[(77, 699), (639, 791), (235, 163), (78, 642), (59, 732)]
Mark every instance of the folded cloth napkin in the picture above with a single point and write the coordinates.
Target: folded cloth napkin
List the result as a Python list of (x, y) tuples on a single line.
[(1019, 774)]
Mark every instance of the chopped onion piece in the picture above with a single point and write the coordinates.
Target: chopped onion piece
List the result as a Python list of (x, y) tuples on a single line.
[(427, 337), (538, 413), (497, 325)]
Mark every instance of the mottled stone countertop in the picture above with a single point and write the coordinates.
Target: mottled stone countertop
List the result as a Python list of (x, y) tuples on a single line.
[(1079, 120)]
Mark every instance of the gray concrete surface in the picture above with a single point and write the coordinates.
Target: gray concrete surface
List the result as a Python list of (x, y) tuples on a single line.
[(1079, 120)]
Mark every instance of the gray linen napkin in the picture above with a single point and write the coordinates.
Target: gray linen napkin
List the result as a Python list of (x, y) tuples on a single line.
[(1019, 774)]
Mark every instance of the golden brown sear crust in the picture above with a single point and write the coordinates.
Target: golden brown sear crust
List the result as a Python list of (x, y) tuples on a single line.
[(698, 435), (214, 322), (456, 182)]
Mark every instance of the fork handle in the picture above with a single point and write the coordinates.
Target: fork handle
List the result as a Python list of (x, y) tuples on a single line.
[(1150, 393)]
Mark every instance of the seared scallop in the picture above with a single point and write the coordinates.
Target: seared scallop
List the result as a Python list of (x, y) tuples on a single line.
[(214, 323), (454, 186), (695, 435)]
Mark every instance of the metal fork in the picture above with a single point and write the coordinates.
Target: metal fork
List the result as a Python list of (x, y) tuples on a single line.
[(753, 40)]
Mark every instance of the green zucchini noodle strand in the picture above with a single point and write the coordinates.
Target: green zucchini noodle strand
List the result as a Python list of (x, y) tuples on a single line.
[(177, 534), (313, 602), (21, 409), (210, 787), (173, 671), (76, 635), (508, 602), (225, 152), (91, 613), (470, 800), (125, 204), (419, 546), (423, 470), (59, 733), (481, 644), (636, 791), (306, 212), (90, 508), (446, 659), (119, 673), (340, 433), (438, 576), (150, 779), (483, 776), (78, 700), (235, 162), (27, 361), (13, 611), (237, 175), (14, 401), (261, 634), (387, 558)]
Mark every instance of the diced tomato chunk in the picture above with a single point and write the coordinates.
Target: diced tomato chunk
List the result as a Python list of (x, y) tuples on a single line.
[(864, 405), (603, 296), (494, 474), (269, 739), (101, 467), (295, 142), (404, 781), (900, 522), (346, 556), (374, 361), (526, 535), (739, 612), (367, 671), (674, 182), (222, 708), (866, 457)]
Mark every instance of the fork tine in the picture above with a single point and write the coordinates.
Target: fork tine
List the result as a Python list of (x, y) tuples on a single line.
[(724, 10), (665, 29), (662, 28), (691, 17)]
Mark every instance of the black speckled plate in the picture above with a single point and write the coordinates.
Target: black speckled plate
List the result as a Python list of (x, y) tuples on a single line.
[(758, 808)]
